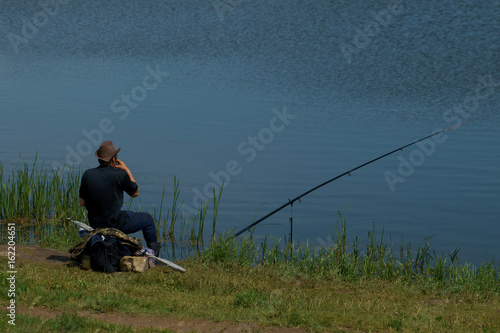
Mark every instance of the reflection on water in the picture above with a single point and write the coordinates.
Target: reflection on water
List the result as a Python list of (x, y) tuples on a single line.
[(415, 68)]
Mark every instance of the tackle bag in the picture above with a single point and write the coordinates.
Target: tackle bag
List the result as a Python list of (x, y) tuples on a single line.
[(105, 247), (105, 254)]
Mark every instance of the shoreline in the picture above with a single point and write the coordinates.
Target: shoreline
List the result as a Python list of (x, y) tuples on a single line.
[(227, 296)]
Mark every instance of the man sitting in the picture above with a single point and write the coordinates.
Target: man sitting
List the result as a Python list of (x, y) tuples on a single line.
[(101, 193)]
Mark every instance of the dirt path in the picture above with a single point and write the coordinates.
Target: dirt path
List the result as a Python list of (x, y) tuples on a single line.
[(52, 257), (34, 253), (174, 324)]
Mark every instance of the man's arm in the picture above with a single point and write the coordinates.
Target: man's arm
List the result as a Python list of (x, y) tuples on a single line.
[(136, 194), (123, 166)]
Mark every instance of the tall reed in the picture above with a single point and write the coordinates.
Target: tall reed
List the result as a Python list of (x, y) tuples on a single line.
[(185, 233), (34, 194)]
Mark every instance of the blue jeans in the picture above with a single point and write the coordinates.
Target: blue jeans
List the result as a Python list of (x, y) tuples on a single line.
[(131, 222)]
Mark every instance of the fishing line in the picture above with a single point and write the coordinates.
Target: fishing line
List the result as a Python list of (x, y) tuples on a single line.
[(290, 202)]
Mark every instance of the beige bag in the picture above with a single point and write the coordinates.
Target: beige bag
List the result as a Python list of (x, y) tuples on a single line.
[(135, 264)]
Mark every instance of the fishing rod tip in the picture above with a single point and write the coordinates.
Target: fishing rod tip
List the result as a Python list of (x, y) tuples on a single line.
[(457, 125)]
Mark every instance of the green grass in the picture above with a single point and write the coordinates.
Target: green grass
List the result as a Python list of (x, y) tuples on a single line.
[(265, 295)]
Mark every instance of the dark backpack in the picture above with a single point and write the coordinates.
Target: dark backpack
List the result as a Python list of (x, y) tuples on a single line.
[(131, 244), (105, 254)]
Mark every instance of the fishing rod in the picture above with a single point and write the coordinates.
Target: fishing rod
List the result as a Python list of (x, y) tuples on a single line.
[(290, 202)]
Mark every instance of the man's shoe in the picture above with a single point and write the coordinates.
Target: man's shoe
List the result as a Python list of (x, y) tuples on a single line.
[(155, 246)]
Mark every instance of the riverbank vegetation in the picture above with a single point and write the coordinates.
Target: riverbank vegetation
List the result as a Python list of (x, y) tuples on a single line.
[(265, 281), (262, 296)]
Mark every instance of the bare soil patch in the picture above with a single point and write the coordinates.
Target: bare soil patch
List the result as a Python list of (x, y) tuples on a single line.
[(174, 324), (35, 253)]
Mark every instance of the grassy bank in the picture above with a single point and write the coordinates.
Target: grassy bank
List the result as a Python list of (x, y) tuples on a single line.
[(271, 282), (265, 295)]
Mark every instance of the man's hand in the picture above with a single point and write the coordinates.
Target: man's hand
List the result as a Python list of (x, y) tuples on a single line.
[(121, 165)]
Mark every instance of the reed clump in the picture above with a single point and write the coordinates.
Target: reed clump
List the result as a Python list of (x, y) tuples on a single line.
[(39, 200), (34, 194), (376, 260)]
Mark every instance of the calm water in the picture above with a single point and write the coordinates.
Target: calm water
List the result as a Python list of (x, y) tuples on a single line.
[(272, 98)]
